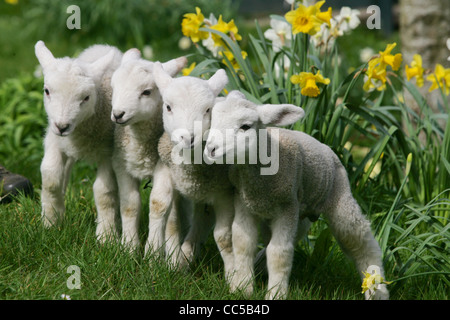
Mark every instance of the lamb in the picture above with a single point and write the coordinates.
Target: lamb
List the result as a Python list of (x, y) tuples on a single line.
[(187, 104), (77, 99), (310, 180), (137, 109)]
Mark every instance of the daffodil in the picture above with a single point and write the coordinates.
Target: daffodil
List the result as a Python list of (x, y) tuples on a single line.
[(191, 24), (308, 83), (187, 71), (375, 76), (324, 16), (415, 70), (279, 33), (348, 19), (230, 57), (372, 281), (13, 2), (228, 28), (376, 72), (386, 58), (308, 19), (440, 79)]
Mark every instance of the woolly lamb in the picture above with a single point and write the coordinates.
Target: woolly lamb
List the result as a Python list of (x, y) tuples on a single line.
[(310, 180), (77, 100), (188, 102), (137, 108)]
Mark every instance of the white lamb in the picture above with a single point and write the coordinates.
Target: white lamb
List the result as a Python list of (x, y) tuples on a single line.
[(137, 108), (188, 102), (310, 180), (77, 99)]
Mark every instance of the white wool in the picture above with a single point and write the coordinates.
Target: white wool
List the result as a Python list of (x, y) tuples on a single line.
[(310, 180), (137, 110), (187, 100), (77, 99)]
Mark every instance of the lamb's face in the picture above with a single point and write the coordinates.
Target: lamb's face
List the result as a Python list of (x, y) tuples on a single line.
[(135, 95), (70, 95), (70, 88), (234, 125), (187, 109)]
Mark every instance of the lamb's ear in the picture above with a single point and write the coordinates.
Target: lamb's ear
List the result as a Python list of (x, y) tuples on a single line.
[(131, 54), (172, 67), (99, 66), (236, 94), (218, 81), (162, 78), (279, 114), (44, 55)]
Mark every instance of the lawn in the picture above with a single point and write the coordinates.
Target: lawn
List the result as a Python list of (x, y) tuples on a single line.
[(401, 181)]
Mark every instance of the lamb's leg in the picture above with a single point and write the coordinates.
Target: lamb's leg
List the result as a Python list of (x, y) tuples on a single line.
[(105, 195), (173, 233), (130, 208), (280, 252), (54, 172), (245, 236), (201, 223), (161, 198), (224, 213), (353, 232)]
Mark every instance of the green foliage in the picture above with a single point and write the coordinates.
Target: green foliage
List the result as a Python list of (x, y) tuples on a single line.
[(22, 124), (130, 23)]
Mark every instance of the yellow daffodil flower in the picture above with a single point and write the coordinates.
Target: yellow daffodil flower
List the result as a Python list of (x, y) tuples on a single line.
[(376, 76), (308, 82), (376, 71), (415, 70), (372, 281), (228, 28), (229, 55), (388, 59), (187, 71), (324, 16), (13, 2), (440, 79), (308, 19), (191, 24)]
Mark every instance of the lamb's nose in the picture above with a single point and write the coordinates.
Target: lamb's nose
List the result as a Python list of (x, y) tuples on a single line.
[(62, 128), (211, 150), (119, 115), (187, 140)]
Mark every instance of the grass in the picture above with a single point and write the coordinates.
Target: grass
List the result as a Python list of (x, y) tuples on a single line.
[(34, 262)]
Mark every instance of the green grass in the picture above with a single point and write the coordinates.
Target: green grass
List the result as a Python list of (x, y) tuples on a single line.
[(34, 262)]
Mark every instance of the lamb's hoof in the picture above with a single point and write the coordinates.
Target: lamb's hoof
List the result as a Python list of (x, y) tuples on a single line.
[(380, 294)]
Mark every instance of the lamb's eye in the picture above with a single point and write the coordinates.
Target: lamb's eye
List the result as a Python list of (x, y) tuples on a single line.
[(168, 108), (146, 92), (86, 99), (46, 91), (245, 127), (207, 110)]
